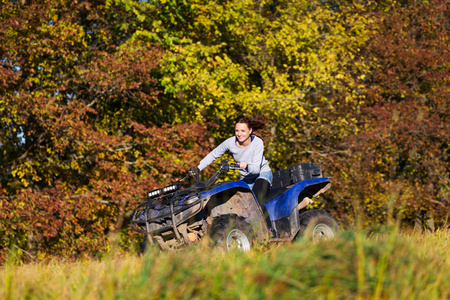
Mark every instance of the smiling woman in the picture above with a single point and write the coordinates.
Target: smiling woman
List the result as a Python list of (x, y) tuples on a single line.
[(248, 151)]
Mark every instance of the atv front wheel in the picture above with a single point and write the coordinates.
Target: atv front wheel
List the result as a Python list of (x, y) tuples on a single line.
[(318, 225), (231, 233)]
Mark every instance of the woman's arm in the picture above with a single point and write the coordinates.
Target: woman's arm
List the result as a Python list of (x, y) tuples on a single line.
[(213, 155)]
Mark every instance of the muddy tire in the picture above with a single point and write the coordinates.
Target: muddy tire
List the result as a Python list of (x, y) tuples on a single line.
[(231, 232), (318, 225)]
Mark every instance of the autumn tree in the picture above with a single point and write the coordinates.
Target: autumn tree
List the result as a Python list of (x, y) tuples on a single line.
[(298, 62), (82, 138), (401, 154)]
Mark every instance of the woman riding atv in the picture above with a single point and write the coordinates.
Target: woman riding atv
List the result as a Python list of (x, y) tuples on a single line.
[(248, 152)]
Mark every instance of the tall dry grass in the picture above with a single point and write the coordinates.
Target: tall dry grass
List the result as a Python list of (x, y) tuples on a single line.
[(354, 266)]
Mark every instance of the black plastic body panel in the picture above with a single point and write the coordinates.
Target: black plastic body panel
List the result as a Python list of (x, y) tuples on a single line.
[(296, 174)]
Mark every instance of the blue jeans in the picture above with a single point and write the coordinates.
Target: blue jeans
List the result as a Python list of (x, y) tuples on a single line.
[(250, 180)]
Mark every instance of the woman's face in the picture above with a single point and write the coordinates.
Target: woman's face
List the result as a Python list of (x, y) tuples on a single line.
[(242, 132)]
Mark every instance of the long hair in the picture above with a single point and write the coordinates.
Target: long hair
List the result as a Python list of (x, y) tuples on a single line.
[(254, 124)]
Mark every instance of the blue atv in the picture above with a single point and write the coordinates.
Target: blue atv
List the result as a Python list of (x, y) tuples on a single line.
[(229, 214)]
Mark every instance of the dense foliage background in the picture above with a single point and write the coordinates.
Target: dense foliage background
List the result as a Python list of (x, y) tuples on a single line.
[(101, 101)]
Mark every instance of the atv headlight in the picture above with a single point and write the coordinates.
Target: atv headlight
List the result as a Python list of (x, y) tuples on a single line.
[(171, 188), (154, 193)]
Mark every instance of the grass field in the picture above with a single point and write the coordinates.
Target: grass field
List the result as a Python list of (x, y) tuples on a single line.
[(353, 266)]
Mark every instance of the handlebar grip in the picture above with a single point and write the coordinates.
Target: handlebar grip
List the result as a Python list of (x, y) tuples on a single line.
[(194, 172), (234, 166)]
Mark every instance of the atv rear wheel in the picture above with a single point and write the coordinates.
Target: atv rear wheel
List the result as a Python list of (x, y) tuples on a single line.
[(318, 225), (231, 233)]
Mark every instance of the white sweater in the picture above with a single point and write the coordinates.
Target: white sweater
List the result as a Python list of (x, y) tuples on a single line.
[(253, 155)]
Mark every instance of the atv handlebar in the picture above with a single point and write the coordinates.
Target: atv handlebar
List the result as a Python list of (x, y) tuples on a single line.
[(194, 172), (234, 166), (224, 167)]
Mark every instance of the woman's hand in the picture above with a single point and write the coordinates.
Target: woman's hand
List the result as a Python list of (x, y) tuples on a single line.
[(242, 165)]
